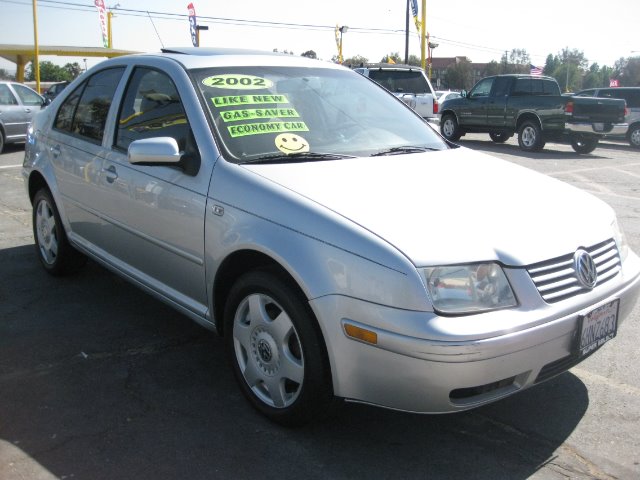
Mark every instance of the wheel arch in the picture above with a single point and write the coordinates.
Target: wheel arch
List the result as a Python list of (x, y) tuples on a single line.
[(524, 116), (36, 182)]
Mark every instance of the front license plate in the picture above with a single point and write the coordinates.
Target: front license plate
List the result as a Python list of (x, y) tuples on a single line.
[(597, 327)]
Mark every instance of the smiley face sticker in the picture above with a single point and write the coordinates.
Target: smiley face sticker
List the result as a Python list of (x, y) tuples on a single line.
[(291, 143)]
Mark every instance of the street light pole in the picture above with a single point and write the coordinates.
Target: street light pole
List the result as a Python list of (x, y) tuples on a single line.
[(342, 29)]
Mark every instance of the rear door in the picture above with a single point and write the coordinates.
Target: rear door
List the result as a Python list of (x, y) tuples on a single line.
[(10, 113)]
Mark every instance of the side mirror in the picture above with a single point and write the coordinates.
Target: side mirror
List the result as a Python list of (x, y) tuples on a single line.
[(463, 93), (154, 151)]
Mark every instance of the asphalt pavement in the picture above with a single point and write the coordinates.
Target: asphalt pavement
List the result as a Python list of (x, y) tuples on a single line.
[(100, 381)]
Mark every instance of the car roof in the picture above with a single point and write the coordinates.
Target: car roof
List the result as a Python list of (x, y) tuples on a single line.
[(192, 58)]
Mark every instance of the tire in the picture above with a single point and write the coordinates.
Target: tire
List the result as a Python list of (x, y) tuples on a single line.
[(56, 255), (1, 140), (584, 144), (499, 137), (449, 128), (530, 136), (634, 135), (275, 347)]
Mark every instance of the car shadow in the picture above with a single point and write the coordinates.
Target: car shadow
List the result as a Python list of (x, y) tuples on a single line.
[(100, 380), (513, 149)]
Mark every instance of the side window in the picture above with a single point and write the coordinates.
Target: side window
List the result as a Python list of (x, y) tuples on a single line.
[(28, 96), (91, 114), (549, 87), (482, 88), (151, 108), (522, 87), (501, 86), (64, 117), (632, 97), (6, 97), (537, 87)]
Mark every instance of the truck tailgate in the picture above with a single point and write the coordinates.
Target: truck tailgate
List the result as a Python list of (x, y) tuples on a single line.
[(601, 110)]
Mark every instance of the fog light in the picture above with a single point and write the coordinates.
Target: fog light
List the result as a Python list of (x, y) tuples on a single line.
[(361, 334)]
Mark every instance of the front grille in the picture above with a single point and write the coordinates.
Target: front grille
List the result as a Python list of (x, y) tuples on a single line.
[(556, 279)]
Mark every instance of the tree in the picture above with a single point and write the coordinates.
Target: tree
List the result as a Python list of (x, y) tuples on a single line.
[(627, 71), (355, 61), (492, 68), (309, 54), (49, 72), (395, 57), (415, 60), (73, 70), (459, 75), (5, 75), (518, 61), (551, 64)]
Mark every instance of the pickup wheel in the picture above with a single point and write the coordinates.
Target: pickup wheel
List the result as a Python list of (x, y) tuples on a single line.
[(449, 127), (584, 144), (530, 136), (499, 137), (634, 135)]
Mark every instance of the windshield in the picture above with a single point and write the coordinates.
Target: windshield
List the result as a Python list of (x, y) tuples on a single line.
[(289, 111)]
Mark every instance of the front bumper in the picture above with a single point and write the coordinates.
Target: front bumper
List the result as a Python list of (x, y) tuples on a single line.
[(420, 375), (598, 128)]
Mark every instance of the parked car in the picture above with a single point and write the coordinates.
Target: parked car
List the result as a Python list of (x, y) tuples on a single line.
[(287, 204), (632, 96), (54, 90), (18, 103), (444, 95), (409, 83), (532, 107)]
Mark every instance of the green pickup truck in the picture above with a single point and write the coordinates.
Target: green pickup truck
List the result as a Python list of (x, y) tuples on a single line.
[(534, 108)]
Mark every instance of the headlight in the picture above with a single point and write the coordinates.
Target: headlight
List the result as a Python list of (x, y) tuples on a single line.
[(469, 288), (620, 239)]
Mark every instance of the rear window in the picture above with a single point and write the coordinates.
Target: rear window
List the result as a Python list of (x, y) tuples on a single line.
[(401, 81)]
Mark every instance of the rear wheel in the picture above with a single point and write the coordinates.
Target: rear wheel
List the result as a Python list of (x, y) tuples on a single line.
[(584, 144), (499, 137), (1, 140), (449, 128), (634, 136), (56, 255), (530, 136), (277, 352)]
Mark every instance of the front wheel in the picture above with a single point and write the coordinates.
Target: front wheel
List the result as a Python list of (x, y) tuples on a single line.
[(56, 255), (634, 136), (449, 128), (584, 144), (274, 344), (530, 136)]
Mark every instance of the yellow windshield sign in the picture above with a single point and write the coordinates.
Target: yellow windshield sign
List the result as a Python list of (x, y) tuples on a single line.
[(260, 113), (266, 127), (237, 82)]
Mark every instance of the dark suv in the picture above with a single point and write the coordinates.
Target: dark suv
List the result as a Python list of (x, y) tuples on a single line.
[(632, 97)]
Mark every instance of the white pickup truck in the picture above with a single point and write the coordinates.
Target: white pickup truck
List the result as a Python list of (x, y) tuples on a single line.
[(407, 82)]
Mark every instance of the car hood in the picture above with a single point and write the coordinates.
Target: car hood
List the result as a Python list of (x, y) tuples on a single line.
[(452, 206)]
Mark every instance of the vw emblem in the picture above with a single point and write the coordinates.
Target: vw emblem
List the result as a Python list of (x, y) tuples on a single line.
[(264, 350), (585, 268)]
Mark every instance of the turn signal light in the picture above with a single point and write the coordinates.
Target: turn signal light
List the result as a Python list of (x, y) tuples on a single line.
[(568, 108), (361, 334)]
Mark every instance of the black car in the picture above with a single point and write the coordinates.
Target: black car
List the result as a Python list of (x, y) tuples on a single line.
[(54, 90)]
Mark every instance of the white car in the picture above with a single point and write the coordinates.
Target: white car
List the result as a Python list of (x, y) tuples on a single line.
[(342, 248)]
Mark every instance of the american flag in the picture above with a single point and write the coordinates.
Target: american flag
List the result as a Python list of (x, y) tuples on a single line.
[(536, 71)]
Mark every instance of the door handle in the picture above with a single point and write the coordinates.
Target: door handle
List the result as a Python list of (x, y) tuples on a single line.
[(110, 173), (55, 151), (28, 110)]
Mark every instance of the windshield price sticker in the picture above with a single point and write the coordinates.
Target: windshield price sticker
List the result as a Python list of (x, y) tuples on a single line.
[(258, 113), (237, 82), (248, 100), (266, 127), (598, 327)]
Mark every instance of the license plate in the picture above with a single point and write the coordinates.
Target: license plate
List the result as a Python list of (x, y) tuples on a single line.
[(598, 127), (597, 327)]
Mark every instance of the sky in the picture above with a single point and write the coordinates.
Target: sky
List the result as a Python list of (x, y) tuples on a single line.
[(479, 30)]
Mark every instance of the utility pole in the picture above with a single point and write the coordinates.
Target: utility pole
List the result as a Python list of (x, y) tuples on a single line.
[(406, 36)]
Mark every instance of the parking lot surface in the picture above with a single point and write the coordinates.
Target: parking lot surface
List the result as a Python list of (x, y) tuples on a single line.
[(99, 380)]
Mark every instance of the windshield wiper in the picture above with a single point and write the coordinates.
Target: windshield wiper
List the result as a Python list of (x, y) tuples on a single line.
[(403, 149), (295, 157)]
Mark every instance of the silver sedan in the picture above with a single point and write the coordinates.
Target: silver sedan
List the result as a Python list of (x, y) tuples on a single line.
[(342, 248)]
